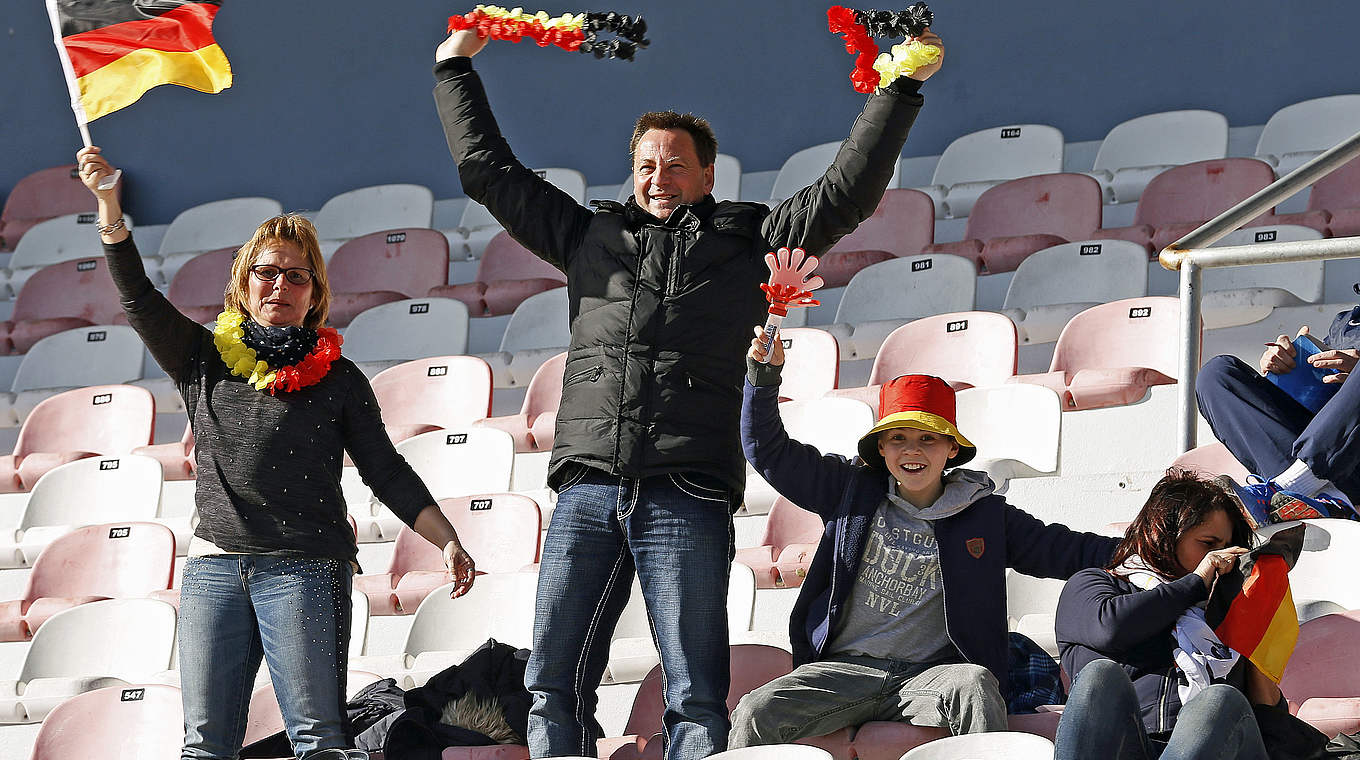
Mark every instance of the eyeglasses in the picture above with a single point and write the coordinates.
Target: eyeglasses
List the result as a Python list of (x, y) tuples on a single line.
[(294, 275)]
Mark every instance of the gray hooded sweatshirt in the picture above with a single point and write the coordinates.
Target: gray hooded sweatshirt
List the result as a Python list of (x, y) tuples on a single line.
[(896, 609)]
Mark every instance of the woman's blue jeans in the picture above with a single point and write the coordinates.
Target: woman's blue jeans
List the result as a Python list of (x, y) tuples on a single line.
[(675, 531), (1101, 720), (295, 613)]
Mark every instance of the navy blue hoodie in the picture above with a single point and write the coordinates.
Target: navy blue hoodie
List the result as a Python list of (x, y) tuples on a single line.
[(976, 544)]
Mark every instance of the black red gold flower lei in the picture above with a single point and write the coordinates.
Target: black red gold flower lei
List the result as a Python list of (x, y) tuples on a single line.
[(572, 32), (859, 28), (241, 361)]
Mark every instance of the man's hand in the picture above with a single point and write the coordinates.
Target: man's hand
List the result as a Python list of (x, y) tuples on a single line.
[(758, 350), (1343, 360), (925, 72), (463, 43), (1279, 355)]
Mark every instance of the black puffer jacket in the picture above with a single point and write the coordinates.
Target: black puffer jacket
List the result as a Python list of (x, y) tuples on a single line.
[(662, 311)]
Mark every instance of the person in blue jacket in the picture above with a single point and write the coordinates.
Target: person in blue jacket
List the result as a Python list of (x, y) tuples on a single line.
[(1308, 463), (902, 615)]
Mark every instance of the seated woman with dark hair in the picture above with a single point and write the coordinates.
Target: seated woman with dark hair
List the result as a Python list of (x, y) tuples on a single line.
[(1151, 677)]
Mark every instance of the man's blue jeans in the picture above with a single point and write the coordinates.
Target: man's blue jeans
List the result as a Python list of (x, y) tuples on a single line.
[(675, 531), (1101, 720), (295, 612)]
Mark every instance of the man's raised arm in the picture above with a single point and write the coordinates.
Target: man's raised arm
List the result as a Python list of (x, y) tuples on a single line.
[(541, 217), (848, 193)]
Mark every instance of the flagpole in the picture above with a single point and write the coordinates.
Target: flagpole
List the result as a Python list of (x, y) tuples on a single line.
[(73, 88)]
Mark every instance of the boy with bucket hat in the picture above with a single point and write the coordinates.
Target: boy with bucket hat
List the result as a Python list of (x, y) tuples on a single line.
[(902, 615)]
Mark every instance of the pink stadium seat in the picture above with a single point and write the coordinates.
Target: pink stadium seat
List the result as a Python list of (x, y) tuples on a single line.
[(382, 267), (1016, 218), (1213, 459), (786, 549), (103, 420), (902, 225), (1111, 354), (177, 459), (117, 560), (500, 531), (1183, 197), (145, 722), (506, 275), (429, 394), (753, 665), (1333, 204), (40, 196), (61, 297), (198, 286), (533, 427), (811, 363), (969, 349), (1322, 680), (1324, 663)]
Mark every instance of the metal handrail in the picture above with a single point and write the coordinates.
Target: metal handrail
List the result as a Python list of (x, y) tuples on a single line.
[(1191, 254)]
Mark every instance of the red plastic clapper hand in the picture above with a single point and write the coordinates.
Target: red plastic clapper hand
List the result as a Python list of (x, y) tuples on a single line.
[(790, 286)]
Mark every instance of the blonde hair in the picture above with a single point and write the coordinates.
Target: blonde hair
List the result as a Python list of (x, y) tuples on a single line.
[(287, 228)]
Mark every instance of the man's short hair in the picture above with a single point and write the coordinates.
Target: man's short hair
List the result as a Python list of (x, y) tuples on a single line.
[(705, 143)]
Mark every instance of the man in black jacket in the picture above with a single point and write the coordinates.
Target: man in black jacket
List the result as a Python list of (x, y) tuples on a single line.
[(647, 460)]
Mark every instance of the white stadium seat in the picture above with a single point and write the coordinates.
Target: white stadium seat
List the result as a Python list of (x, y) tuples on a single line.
[(209, 227), (371, 209), (805, 167), (116, 642), (977, 161), (1243, 295), (538, 330), (884, 296), (1016, 428), (444, 631), (1135, 151), (1330, 559), (995, 745), (64, 238), (415, 328), (84, 492), (85, 356), (1053, 285), (833, 425), (1296, 133)]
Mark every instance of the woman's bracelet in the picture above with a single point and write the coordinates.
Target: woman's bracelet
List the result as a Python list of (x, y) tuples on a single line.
[(109, 229)]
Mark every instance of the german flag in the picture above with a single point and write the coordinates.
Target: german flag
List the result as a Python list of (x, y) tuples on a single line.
[(119, 49), (1251, 608)]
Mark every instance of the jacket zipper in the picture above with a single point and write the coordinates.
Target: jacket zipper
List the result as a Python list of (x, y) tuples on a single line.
[(592, 374), (694, 380), (1161, 701)]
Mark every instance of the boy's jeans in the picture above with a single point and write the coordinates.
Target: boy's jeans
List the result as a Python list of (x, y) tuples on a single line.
[(676, 531), (295, 612), (825, 696)]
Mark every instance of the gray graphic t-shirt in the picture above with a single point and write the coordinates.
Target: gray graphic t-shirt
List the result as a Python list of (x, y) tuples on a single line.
[(896, 608)]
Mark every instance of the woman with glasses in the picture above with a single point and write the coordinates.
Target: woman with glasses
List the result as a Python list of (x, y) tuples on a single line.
[(274, 407), (1151, 678)]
